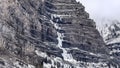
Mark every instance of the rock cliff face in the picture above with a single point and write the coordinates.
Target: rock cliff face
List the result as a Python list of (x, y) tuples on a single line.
[(50, 34)]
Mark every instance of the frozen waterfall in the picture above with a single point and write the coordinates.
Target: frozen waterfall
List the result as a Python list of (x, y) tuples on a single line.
[(68, 61)]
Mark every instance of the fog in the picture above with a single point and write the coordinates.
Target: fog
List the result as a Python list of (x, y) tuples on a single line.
[(102, 9)]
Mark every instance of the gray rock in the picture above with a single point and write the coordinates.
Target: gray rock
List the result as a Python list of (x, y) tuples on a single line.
[(25, 27)]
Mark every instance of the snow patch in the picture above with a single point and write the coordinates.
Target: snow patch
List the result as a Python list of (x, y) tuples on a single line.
[(42, 54)]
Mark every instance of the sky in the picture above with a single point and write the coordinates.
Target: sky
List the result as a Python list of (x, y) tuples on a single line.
[(102, 9)]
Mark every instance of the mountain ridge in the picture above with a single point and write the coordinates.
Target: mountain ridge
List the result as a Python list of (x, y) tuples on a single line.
[(50, 34)]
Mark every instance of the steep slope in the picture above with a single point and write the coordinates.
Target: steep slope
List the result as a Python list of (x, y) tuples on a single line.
[(50, 34)]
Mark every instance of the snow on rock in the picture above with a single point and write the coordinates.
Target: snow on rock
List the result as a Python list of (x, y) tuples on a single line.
[(111, 35), (110, 31), (42, 54)]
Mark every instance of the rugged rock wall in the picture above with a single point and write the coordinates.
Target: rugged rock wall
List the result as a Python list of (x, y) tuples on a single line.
[(30, 36)]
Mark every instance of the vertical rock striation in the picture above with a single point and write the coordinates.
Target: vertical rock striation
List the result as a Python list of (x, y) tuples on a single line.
[(50, 34)]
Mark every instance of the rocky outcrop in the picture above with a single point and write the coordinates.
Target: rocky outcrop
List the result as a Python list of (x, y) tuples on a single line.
[(50, 33)]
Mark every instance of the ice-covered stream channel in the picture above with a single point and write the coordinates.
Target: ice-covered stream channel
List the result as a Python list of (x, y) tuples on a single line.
[(66, 56)]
